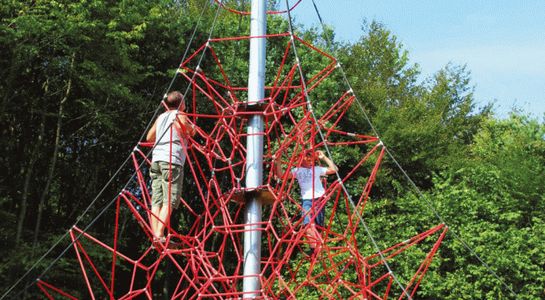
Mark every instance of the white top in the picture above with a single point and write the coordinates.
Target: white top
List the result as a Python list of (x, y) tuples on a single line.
[(309, 183), (164, 130)]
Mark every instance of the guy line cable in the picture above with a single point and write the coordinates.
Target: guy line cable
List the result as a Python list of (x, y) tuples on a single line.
[(109, 181), (368, 231), (405, 174)]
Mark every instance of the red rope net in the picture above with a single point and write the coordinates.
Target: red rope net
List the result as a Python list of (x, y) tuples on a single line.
[(203, 254)]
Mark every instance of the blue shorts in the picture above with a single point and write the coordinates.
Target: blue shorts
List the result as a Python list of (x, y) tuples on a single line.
[(312, 215)]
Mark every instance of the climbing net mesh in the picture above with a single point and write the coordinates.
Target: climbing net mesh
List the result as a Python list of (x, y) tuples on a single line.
[(203, 255)]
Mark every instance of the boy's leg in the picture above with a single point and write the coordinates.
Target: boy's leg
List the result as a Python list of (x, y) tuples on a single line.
[(155, 211), (171, 182), (157, 196), (316, 236), (317, 217), (320, 216), (164, 217), (309, 218)]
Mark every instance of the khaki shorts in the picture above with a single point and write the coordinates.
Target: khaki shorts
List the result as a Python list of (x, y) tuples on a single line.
[(160, 175)]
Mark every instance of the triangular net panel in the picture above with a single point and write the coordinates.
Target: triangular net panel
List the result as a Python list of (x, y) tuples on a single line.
[(203, 255)]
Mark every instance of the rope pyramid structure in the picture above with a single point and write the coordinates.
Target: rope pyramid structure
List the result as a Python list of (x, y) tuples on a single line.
[(205, 254)]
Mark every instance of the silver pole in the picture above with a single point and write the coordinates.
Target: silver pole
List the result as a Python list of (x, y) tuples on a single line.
[(254, 145)]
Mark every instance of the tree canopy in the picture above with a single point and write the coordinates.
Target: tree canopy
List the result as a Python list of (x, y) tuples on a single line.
[(80, 80)]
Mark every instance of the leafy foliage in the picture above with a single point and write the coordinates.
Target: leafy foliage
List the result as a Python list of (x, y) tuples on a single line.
[(486, 206), (81, 79)]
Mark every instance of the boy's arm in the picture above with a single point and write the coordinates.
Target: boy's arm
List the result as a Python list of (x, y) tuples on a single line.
[(278, 169), (331, 167), (184, 125), (150, 137)]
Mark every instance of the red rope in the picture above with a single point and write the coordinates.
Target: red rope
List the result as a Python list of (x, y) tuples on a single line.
[(207, 256), (42, 285)]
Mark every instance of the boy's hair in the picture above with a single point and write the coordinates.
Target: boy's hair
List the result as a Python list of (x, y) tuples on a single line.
[(174, 99), (308, 152)]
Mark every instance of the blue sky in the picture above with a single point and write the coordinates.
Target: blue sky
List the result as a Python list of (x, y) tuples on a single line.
[(502, 42)]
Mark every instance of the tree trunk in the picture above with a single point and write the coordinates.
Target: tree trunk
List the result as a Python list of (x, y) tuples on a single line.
[(28, 177), (54, 156)]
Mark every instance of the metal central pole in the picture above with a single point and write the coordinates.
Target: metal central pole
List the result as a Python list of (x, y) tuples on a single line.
[(254, 145)]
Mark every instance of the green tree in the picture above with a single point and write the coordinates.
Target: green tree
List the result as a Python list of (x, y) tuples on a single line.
[(426, 125), (79, 82), (493, 200)]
